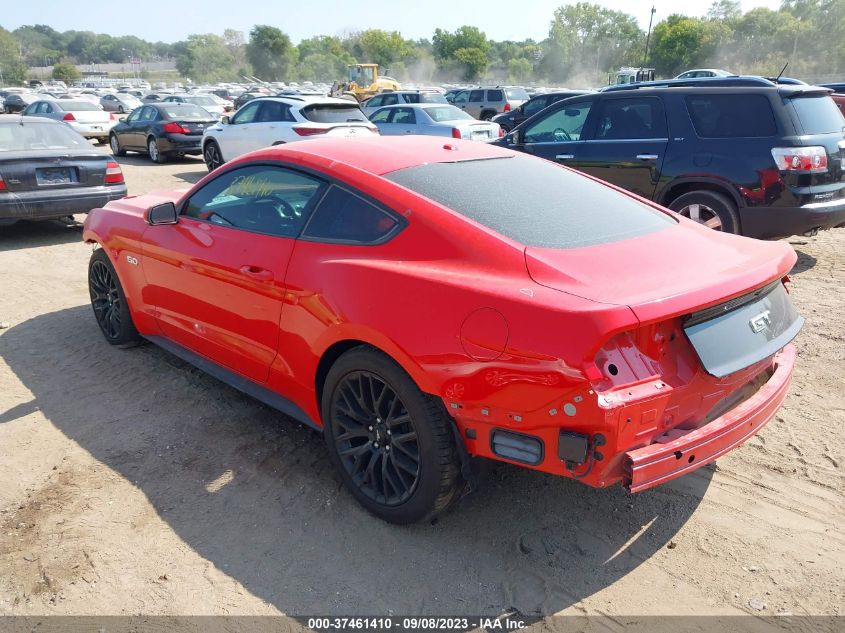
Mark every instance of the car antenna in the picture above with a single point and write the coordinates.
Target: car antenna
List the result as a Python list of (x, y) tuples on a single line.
[(782, 70)]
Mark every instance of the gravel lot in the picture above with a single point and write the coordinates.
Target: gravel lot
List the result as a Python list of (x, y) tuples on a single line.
[(131, 483)]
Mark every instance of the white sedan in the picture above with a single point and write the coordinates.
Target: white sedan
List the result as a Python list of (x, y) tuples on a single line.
[(433, 120), (206, 102), (266, 121), (83, 116)]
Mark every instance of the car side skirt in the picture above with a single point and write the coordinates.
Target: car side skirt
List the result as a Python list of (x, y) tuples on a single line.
[(250, 388)]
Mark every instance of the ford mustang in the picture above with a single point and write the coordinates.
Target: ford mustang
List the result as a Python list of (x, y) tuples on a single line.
[(425, 301)]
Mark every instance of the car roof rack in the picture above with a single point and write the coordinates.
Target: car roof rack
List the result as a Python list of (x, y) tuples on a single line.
[(700, 82)]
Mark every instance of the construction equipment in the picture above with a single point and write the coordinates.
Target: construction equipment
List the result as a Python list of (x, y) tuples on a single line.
[(363, 81), (631, 75)]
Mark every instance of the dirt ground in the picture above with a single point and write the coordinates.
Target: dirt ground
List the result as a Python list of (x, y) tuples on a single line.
[(131, 483)]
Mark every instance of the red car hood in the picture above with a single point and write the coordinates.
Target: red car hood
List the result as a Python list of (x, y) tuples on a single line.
[(664, 274)]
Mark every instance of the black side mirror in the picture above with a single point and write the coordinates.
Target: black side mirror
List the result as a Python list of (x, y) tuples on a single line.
[(164, 213)]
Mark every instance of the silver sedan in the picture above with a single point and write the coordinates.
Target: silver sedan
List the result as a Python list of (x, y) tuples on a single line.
[(433, 119), (120, 102), (83, 116)]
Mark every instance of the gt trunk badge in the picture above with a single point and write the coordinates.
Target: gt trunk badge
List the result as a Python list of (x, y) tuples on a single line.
[(760, 322)]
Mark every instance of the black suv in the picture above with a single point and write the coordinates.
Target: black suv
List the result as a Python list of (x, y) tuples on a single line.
[(509, 120), (737, 154)]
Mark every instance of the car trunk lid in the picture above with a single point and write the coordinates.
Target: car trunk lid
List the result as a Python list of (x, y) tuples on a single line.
[(660, 275), (27, 171)]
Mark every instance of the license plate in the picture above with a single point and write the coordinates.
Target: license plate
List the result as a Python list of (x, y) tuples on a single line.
[(481, 135), (55, 176), (746, 334)]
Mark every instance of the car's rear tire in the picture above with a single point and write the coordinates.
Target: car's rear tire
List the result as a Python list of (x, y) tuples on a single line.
[(212, 156), (487, 115), (155, 154), (713, 210), (392, 444), (108, 301), (114, 144)]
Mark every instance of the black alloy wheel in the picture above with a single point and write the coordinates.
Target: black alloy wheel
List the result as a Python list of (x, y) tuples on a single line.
[(377, 443)]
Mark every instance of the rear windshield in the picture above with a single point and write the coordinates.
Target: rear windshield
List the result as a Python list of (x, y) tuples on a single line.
[(517, 94), (731, 116), (78, 106), (533, 202), (334, 113), (818, 115), (446, 113), (26, 137), (203, 101), (184, 111)]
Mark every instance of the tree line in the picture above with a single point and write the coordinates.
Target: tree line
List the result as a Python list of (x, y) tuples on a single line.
[(584, 43)]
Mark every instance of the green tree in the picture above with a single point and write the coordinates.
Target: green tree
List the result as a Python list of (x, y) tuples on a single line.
[(586, 39), (12, 67), (206, 57), (271, 53), (474, 61), (681, 43), (520, 71), (66, 72)]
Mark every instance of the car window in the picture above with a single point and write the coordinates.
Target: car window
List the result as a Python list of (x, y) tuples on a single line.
[(36, 136), (640, 118), (148, 114), (345, 217), (403, 115), (818, 115), (334, 113), (375, 102), (380, 116), (183, 110), (476, 95), (560, 126), (79, 106), (134, 116), (246, 114), (731, 115), (534, 106), (461, 97), (517, 94), (534, 202), (260, 198), (274, 111), (495, 95), (390, 99), (447, 113)]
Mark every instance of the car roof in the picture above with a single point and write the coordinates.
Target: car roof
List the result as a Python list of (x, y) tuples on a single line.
[(17, 119), (380, 155), (306, 100), (417, 106)]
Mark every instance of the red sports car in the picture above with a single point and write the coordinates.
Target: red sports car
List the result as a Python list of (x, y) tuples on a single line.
[(423, 302)]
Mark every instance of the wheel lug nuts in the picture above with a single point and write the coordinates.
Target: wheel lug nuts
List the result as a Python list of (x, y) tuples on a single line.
[(388, 432), (370, 428), (387, 448), (375, 444)]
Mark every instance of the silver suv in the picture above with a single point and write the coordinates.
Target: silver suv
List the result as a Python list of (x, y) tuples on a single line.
[(485, 102)]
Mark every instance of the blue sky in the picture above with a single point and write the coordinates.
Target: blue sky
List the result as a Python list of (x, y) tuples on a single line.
[(171, 21)]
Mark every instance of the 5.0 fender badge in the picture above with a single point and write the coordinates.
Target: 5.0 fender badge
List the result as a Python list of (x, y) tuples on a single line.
[(132, 260)]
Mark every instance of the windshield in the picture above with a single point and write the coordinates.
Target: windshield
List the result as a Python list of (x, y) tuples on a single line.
[(361, 75), (78, 106), (32, 137), (533, 202), (517, 94), (446, 113), (334, 113), (818, 115), (184, 111), (202, 101)]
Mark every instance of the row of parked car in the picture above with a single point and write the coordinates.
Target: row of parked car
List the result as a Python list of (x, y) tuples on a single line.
[(738, 154)]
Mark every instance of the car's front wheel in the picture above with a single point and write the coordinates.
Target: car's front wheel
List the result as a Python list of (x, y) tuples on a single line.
[(109, 302), (212, 156), (713, 210), (392, 444), (156, 155)]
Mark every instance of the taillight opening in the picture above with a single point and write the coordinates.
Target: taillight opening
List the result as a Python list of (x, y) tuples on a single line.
[(507, 107), (2, 183), (805, 160), (69, 117), (456, 133), (114, 174)]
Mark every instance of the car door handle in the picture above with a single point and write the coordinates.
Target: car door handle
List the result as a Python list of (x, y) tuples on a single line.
[(254, 272), (565, 156), (647, 157)]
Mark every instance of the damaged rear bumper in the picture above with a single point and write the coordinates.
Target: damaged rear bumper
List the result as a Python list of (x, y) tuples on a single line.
[(680, 452)]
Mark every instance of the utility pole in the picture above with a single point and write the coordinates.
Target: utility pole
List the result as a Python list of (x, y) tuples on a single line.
[(648, 37)]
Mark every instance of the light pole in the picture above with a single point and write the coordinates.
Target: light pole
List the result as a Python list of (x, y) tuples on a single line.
[(648, 37)]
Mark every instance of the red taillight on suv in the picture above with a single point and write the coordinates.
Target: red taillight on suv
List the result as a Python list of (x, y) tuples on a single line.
[(69, 117), (114, 175), (175, 128), (507, 108), (2, 183), (310, 131), (501, 132), (456, 133), (808, 160)]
